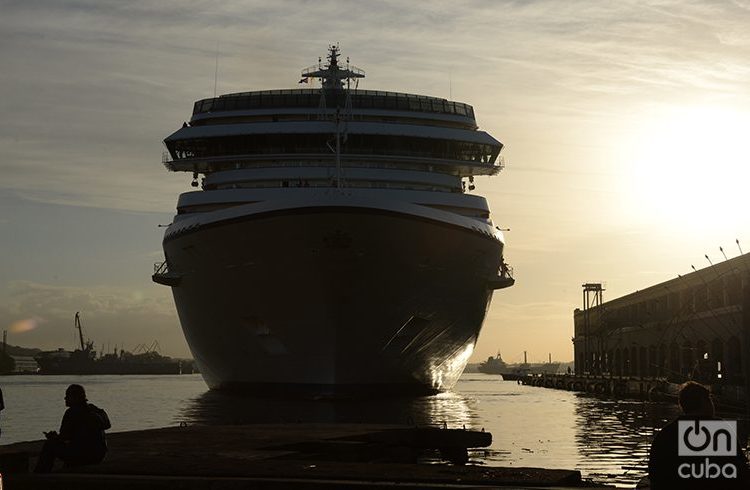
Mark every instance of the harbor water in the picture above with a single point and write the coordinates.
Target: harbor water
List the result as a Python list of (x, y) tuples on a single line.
[(607, 440)]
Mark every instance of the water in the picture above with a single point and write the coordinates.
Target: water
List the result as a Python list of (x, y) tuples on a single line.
[(606, 440)]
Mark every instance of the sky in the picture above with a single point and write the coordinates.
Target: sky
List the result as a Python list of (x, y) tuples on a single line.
[(622, 124)]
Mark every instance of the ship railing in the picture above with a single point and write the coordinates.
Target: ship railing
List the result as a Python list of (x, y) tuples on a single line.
[(203, 164), (162, 275), (161, 267), (278, 153), (309, 98), (318, 68), (503, 279), (505, 271)]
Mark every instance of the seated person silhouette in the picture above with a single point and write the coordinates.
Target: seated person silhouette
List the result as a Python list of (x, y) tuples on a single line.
[(81, 438), (667, 469)]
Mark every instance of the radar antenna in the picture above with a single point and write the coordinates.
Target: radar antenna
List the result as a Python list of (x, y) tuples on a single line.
[(332, 75), (332, 78)]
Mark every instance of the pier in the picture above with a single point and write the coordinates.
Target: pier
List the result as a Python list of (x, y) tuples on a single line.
[(694, 327), (726, 397), (619, 386), (283, 456)]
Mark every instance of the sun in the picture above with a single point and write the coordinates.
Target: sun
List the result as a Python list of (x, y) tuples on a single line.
[(690, 166)]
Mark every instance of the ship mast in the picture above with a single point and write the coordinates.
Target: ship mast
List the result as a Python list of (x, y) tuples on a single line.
[(332, 78)]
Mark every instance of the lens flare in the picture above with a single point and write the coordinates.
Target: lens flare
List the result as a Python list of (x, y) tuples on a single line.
[(25, 325)]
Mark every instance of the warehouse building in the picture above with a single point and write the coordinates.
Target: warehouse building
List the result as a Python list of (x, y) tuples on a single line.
[(696, 326)]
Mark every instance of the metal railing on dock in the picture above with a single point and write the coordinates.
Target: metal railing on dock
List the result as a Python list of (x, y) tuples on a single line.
[(618, 386)]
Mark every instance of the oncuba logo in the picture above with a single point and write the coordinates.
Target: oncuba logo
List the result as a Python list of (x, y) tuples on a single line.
[(707, 438)]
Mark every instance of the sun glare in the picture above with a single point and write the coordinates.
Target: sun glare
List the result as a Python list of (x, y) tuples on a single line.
[(25, 325), (690, 166)]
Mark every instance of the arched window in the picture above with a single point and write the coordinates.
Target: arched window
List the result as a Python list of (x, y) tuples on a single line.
[(674, 360), (687, 358), (717, 354), (653, 362), (608, 361), (701, 350), (618, 363), (626, 364), (734, 358), (661, 368)]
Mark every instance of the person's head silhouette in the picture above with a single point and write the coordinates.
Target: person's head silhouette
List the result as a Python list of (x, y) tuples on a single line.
[(75, 395), (695, 400)]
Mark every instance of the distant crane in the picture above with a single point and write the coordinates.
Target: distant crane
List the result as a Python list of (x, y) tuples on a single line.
[(85, 346), (80, 330)]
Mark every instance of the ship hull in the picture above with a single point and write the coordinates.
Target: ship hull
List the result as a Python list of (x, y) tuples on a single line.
[(332, 299)]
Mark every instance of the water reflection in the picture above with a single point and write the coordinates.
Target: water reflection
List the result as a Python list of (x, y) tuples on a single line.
[(604, 439), (607, 440), (452, 409), (614, 437)]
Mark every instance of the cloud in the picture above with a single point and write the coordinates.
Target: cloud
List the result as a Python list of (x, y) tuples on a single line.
[(541, 312), (90, 89), (57, 300), (108, 314), (93, 87)]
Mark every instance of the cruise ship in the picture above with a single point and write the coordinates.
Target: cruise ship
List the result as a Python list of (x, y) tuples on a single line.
[(333, 243)]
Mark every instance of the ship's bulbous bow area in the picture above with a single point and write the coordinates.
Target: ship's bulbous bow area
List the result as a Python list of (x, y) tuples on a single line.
[(333, 299)]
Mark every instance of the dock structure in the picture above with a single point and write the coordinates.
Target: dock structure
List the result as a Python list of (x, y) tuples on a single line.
[(695, 326), (619, 386), (270, 456)]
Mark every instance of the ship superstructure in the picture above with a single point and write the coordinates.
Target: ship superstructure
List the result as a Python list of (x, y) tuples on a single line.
[(334, 244)]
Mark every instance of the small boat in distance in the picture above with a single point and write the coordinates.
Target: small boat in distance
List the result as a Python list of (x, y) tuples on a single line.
[(493, 365), (84, 360), (514, 372)]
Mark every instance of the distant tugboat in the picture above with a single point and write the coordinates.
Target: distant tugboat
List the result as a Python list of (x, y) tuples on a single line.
[(84, 361), (514, 372)]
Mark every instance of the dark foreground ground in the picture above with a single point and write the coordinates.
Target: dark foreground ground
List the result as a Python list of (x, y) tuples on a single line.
[(273, 456)]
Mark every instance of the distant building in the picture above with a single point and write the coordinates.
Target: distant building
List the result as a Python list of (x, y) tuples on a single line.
[(694, 327), (25, 364)]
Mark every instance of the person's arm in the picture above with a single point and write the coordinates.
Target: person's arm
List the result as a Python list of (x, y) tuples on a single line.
[(67, 426)]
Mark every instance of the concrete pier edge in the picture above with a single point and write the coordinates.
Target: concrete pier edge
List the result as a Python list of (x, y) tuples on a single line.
[(272, 456)]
